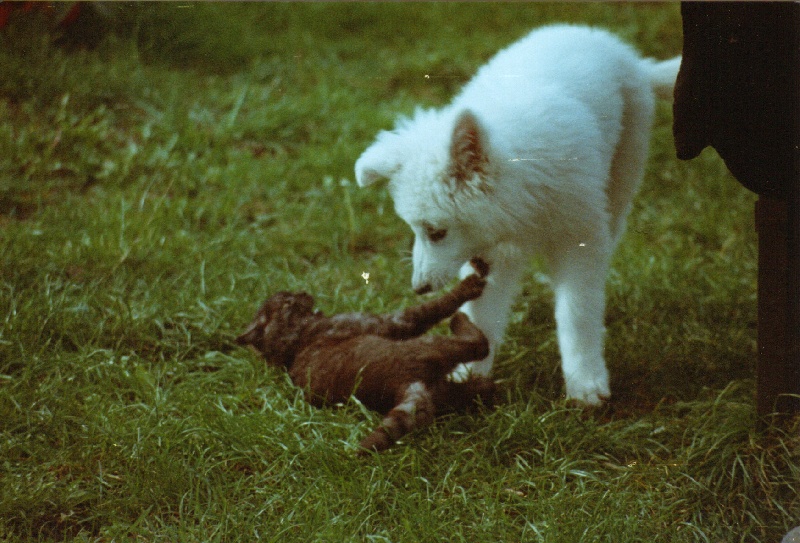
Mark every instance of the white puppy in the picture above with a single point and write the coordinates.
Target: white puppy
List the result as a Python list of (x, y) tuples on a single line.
[(541, 152)]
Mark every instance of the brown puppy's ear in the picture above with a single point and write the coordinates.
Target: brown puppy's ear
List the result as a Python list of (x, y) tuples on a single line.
[(251, 335), (468, 156)]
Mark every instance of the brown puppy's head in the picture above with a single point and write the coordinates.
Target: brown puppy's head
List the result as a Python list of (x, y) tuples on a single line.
[(276, 329)]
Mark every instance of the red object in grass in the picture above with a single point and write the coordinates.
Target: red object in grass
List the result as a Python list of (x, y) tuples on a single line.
[(7, 8)]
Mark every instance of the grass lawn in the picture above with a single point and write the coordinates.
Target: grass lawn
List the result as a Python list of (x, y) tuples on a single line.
[(154, 189)]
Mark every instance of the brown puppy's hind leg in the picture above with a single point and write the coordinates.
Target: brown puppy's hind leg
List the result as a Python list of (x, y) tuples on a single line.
[(419, 403), (414, 410)]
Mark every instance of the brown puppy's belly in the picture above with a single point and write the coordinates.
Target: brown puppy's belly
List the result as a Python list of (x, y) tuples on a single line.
[(372, 367)]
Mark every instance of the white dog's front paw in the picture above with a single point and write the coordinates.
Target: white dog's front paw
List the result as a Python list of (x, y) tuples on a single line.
[(588, 389)]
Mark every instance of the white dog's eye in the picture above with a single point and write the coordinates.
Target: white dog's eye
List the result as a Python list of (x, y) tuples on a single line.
[(434, 234)]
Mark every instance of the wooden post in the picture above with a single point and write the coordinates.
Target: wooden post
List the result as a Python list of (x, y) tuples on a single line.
[(778, 369)]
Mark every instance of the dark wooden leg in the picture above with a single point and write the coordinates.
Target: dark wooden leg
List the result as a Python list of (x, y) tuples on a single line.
[(778, 371)]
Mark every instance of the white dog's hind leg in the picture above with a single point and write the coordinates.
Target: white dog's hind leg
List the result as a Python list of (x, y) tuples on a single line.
[(628, 165), (579, 286), (491, 311)]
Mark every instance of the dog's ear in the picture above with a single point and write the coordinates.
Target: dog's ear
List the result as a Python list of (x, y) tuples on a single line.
[(468, 153), (378, 162)]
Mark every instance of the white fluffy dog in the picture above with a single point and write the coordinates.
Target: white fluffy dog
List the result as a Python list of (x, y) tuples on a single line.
[(541, 152)]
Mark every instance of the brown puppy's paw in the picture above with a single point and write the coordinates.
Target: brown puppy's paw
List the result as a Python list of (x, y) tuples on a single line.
[(480, 266), (379, 440)]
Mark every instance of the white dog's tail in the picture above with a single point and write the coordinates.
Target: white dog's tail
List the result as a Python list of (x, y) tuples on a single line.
[(662, 75)]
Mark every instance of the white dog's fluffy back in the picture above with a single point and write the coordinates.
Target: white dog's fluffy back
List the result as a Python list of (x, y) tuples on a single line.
[(542, 151)]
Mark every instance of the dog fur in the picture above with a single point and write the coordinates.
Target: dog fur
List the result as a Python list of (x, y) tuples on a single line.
[(383, 360), (540, 153)]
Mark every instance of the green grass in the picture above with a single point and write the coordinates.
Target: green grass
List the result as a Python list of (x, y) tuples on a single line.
[(155, 189)]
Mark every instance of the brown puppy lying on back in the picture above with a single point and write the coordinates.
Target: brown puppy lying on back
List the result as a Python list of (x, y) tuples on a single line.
[(380, 359)]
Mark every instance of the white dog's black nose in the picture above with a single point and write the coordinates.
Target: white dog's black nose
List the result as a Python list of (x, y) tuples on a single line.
[(424, 289)]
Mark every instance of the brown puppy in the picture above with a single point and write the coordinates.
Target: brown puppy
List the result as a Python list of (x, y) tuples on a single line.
[(382, 360)]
